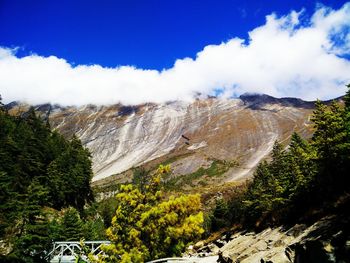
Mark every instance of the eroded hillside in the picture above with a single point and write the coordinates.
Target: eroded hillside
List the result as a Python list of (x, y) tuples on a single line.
[(188, 135)]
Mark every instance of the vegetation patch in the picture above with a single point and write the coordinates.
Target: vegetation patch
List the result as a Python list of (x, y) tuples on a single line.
[(173, 159), (216, 169)]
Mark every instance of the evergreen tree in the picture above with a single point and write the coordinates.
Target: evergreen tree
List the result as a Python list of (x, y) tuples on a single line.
[(9, 205), (221, 215), (331, 145), (70, 175), (259, 194), (107, 210), (301, 158), (94, 229), (72, 226), (33, 240)]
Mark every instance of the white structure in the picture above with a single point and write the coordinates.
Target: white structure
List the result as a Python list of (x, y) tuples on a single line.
[(69, 251)]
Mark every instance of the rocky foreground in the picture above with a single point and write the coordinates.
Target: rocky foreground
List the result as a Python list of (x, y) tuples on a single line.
[(327, 240)]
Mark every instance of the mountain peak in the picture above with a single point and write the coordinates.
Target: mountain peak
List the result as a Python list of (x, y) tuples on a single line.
[(258, 100)]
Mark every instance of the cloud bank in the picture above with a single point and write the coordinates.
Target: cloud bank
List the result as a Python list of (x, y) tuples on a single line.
[(290, 55)]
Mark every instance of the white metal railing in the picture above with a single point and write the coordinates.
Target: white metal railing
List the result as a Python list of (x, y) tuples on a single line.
[(69, 251)]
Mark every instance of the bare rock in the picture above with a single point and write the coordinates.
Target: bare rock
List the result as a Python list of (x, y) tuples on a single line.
[(326, 241)]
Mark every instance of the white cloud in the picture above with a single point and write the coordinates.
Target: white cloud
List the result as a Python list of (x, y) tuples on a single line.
[(287, 56)]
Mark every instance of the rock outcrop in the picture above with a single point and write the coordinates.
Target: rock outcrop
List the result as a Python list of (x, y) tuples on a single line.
[(327, 240)]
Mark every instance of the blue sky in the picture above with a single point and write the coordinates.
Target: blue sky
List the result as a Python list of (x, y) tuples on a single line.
[(148, 34), (154, 51)]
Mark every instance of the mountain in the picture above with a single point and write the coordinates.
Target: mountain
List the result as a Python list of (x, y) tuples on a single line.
[(234, 133)]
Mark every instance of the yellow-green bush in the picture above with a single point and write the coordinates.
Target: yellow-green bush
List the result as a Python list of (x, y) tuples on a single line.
[(146, 226)]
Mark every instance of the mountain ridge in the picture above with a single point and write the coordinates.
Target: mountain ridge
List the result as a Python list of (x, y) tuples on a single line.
[(124, 136)]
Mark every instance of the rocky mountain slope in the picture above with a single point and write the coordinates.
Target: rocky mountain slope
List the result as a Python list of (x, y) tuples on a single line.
[(187, 135)]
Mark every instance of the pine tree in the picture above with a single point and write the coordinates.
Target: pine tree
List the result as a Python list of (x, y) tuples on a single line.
[(94, 229), (33, 241), (301, 158), (70, 175), (221, 215), (72, 225), (331, 144), (9, 205)]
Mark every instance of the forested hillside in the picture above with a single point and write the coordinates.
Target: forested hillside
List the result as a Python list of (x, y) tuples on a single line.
[(44, 186), (302, 182), (306, 174)]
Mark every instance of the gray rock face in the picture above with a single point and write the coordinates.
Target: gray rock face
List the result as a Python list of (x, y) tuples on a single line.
[(121, 137)]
